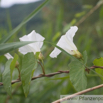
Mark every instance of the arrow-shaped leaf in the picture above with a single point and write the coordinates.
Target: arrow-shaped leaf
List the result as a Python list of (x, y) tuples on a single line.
[(28, 64)]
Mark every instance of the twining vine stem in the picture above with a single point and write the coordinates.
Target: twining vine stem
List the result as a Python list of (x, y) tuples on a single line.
[(39, 76), (50, 74)]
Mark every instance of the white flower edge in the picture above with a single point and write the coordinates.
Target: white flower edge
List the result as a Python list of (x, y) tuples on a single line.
[(8, 56), (66, 43), (33, 47)]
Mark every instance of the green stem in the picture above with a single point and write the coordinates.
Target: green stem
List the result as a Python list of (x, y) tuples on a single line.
[(42, 66), (19, 72)]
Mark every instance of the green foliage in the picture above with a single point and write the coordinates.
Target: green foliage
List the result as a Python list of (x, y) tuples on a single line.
[(85, 57), (0, 74), (7, 47), (6, 76), (80, 14), (77, 75), (27, 66), (29, 17), (13, 63), (59, 16), (101, 12), (99, 62), (65, 29), (56, 36)]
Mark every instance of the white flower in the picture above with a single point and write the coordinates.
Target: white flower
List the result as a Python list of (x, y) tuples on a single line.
[(8, 56), (33, 47), (66, 43)]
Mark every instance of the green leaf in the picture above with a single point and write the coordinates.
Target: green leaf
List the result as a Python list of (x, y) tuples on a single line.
[(13, 63), (101, 12), (6, 77), (80, 14), (85, 57), (99, 62), (29, 17), (58, 34), (0, 74), (36, 64), (77, 75), (28, 65), (7, 47)]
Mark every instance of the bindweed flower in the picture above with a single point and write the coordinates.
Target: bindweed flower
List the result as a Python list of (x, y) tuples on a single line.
[(66, 43), (33, 47), (8, 56)]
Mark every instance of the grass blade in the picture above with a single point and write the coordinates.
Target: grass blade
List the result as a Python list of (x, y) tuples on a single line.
[(7, 47), (29, 17)]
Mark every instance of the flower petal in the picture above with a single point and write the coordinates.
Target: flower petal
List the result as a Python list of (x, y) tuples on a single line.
[(8, 56), (33, 47), (70, 43), (35, 36), (38, 38), (25, 49), (24, 38), (55, 53), (71, 32), (67, 45)]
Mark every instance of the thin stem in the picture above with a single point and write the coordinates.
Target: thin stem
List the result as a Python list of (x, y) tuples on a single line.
[(18, 71), (88, 14), (40, 76), (96, 67), (42, 66), (79, 93), (17, 66), (50, 75)]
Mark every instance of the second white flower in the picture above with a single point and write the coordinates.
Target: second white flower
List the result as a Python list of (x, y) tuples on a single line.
[(33, 47)]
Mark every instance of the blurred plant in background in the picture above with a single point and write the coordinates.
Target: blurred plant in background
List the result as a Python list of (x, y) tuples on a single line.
[(52, 22)]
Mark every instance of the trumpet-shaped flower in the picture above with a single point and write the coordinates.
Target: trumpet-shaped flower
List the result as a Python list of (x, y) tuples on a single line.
[(66, 43), (33, 47), (8, 56)]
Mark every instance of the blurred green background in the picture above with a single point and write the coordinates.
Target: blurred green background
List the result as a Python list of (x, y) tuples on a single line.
[(52, 22)]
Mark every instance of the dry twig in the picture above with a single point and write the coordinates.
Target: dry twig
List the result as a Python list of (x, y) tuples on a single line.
[(79, 93)]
